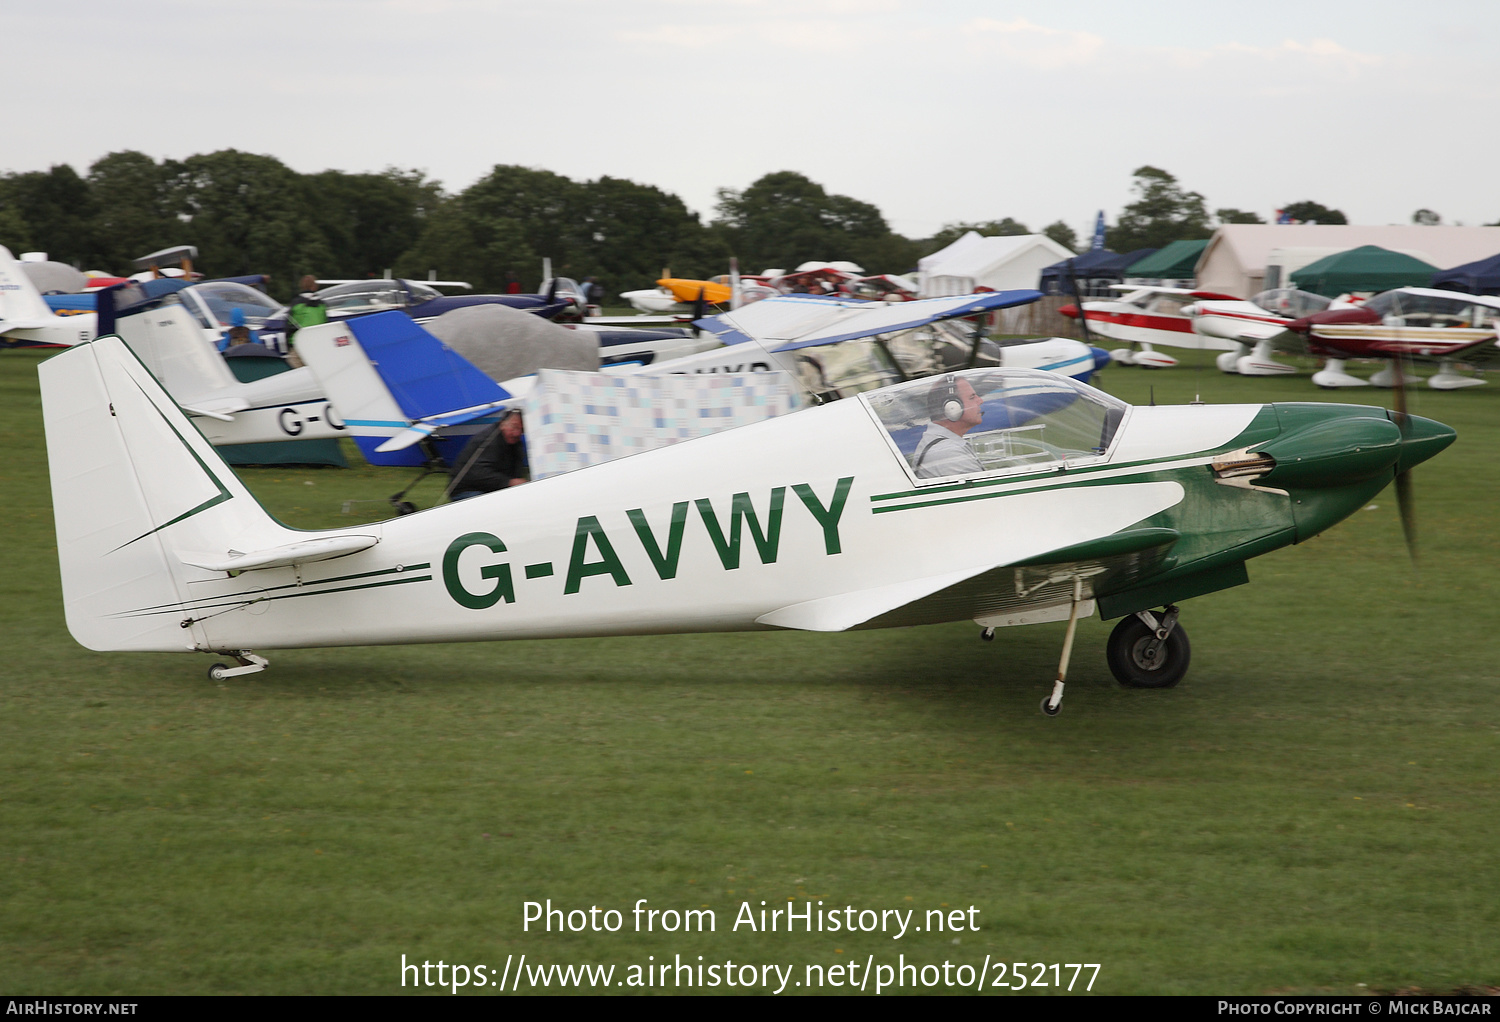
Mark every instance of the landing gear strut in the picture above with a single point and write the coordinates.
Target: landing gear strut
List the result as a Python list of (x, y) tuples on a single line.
[(1149, 651), (246, 663), (1052, 705)]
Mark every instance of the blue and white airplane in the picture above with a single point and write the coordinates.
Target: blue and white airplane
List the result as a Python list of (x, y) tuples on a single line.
[(397, 386)]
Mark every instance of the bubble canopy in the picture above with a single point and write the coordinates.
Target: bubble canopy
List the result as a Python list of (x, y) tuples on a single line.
[(985, 422)]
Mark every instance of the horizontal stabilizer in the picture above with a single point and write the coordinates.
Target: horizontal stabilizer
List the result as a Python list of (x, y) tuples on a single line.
[(302, 552), (222, 409), (424, 429)]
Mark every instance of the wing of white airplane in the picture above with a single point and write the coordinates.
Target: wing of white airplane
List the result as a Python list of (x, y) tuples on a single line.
[(645, 320), (1114, 559), (790, 322)]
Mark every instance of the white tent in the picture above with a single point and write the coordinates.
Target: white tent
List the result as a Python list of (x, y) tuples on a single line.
[(974, 261)]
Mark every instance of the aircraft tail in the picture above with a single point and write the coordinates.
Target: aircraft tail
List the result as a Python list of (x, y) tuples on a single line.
[(384, 373), (25, 317), (141, 502), (20, 301)]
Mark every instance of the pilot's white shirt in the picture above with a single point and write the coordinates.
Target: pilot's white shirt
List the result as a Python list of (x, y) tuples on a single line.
[(942, 452)]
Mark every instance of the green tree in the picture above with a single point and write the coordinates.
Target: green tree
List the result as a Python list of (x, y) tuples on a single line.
[(460, 244), (1237, 216), (15, 232), (133, 197), (1062, 234), (1312, 212), (368, 221), (57, 211), (1162, 213), (538, 207), (625, 233), (785, 219), (248, 214)]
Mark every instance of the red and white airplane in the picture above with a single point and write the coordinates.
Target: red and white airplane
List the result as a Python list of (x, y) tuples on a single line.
[(1143, 316), (1425, 324), (1420, 323)]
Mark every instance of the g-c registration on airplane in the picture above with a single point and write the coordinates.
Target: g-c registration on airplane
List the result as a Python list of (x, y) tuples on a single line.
[(1067, 501)]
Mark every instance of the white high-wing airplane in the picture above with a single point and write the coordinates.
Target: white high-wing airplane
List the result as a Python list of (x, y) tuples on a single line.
[(171, 342), (840, 347), (1252, 324), (399, 386), (1047, 500)]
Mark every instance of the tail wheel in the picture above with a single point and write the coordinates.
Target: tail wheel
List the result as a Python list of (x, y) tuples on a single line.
[(1135, 663)]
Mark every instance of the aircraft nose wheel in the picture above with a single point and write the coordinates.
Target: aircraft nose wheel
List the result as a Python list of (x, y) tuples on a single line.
[(1139, 658)]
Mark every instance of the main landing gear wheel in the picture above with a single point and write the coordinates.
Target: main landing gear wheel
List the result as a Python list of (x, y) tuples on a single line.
[(1139, 660), (1048, 708), (218, 672)]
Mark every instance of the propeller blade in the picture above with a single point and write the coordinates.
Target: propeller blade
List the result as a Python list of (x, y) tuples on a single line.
[(1408, 513), (1398, 372), (1404, 500)]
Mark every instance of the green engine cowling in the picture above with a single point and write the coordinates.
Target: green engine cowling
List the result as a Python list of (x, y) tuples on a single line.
[(1331, 459)]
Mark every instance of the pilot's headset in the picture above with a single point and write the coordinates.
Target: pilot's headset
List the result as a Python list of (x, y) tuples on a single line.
[(943, 400)]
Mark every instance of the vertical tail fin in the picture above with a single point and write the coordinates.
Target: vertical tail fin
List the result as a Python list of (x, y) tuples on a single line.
[(136, 489), (25, 317), (19, 298)]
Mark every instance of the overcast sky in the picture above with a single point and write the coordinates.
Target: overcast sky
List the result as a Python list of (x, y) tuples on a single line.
[(934, 111)]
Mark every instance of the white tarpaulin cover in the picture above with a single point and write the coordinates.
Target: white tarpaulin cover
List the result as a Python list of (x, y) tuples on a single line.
[(574, 420)]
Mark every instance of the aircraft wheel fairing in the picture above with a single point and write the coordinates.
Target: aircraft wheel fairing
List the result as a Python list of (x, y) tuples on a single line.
[(1128, 655)]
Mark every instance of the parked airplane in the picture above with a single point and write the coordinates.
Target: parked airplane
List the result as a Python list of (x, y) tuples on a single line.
[(1143, 316), (399, 386), (861, 345), (1066, 501), (1423, 324), (423, 302), (1409, 323), (170, 342), (1251, 324), (31, 319)]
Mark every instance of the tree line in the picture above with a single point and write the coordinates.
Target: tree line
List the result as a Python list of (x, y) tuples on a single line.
[(251, 213)]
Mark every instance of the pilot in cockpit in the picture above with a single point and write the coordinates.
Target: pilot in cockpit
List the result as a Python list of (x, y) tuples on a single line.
[(955, 409)]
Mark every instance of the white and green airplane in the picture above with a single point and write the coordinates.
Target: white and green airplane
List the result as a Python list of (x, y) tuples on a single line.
[(1001, 496)]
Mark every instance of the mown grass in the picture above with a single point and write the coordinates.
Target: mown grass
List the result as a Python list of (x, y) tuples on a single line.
[(1313, 809)]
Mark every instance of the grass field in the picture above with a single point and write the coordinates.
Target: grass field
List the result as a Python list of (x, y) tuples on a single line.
[(1312, 810)]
